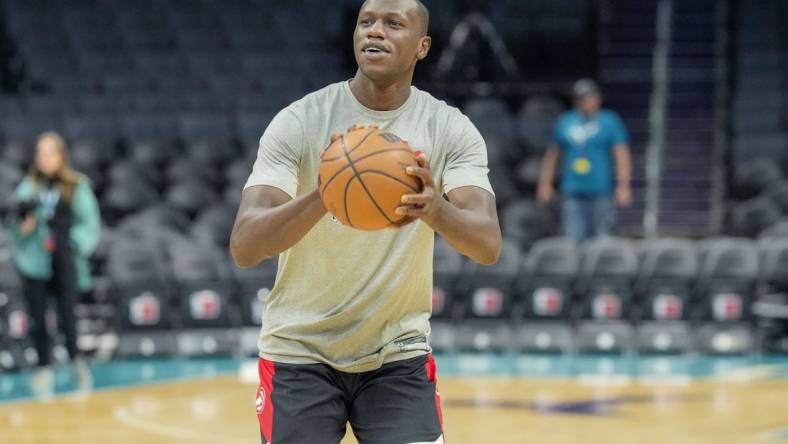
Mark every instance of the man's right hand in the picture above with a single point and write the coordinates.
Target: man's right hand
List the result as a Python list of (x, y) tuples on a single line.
[(544, 193), (28, 225)]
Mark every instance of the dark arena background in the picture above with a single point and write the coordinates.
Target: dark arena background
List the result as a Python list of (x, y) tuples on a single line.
[(673, 329)]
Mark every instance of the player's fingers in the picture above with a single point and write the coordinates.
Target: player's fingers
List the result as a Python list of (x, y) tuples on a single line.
[(422, 173), (421, 158), (402, 222), (355, 126), (417, 199), (412, 211)]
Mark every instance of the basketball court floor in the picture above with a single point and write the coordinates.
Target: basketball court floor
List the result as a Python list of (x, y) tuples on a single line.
[(486, 399)]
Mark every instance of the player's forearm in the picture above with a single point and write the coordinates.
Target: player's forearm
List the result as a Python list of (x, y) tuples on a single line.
[(623, 165), (472, 233), (262, 233)]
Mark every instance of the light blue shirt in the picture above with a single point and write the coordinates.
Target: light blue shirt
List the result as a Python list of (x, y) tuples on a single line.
[(586, 145)]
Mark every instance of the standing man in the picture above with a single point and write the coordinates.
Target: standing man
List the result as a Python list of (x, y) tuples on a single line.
[(593, 145), (346, 326)]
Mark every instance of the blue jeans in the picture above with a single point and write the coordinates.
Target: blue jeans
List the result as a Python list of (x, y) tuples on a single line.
[(585, 217)]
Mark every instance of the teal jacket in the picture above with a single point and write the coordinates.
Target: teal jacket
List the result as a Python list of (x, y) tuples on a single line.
[(30, 256)]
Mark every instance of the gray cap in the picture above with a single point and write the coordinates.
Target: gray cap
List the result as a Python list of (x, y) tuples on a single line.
[(585, 87)]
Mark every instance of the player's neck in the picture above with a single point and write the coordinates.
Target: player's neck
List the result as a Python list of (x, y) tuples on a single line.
[(380, 97)]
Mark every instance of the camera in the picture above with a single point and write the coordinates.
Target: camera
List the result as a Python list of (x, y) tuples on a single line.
[(24, 208)]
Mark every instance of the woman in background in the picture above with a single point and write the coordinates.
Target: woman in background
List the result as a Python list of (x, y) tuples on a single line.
[(54, 236)]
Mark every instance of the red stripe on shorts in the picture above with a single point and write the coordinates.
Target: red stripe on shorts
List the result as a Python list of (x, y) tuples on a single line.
[(263, 404), (432, 376)]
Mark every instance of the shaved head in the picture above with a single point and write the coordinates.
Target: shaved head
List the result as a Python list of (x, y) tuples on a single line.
[(423, 12)]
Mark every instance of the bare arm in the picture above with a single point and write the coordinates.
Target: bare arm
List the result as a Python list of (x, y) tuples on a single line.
[(269, 221), (623, 161), (469, 223), (468, 220), (544, 190)]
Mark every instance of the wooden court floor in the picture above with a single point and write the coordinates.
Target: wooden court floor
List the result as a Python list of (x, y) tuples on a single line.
[(747, 408)]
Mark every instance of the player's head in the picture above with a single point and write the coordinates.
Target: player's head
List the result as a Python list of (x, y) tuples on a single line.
[(390, 37), (587, 96)]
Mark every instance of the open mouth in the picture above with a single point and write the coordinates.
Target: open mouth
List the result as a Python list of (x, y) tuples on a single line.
[(373, 49)]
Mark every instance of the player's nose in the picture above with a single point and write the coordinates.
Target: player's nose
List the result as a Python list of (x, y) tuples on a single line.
[(377, 30)]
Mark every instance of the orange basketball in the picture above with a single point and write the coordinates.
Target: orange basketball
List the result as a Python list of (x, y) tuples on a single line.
[(362, 177)]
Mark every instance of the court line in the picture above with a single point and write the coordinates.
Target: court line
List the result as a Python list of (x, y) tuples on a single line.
[(124, 416)]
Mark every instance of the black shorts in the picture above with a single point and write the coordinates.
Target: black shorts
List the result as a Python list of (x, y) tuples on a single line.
[(312, 403)]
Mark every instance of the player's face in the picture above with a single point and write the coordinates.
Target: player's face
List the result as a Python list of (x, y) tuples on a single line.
[(589, 104), (388, 39)]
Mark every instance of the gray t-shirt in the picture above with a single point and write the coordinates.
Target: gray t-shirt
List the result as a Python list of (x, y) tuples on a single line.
[(348, 298)]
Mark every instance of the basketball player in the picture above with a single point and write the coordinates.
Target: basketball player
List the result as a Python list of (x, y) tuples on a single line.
[(346, 326)]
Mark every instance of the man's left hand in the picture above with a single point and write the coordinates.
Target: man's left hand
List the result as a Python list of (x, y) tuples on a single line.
[(623, 196), (427, 204)]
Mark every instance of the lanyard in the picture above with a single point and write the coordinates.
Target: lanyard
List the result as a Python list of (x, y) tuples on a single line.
[(49, 197)]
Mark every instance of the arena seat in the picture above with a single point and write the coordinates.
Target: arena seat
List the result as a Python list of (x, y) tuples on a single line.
[(779, 229), (17, 155), (526, 222), (492, 117), (777, 193), (536, 121), (25, 129), (253, 288), (447, 269), (214, 224), (212, 151), (774, 265), (544, 290), (725, 288), (121, 200), (141, 125), (89, 153), (664, 287), (485, 294), (159, 217), (144, 299), (17, 351), (190, 195), (191, 169), (195, 126), (607, 272), (750, 217), (205, 290), (151, 152)]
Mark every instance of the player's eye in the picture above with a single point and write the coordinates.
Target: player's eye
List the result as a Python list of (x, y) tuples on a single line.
[(394, 23), (365, 22)]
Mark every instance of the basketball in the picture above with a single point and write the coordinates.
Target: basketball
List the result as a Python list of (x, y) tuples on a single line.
[(362, 177)]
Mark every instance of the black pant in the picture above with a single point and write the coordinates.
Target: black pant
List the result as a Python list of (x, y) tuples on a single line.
[(312, 403), (63, 286)]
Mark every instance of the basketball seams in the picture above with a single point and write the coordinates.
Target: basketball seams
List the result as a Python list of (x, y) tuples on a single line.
[(363, 139), (396, 179), (341, 170), (363, 185), (344, 196)]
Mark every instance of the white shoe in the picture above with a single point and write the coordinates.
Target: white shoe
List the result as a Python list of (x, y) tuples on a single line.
[(83, 374), (42, 383)]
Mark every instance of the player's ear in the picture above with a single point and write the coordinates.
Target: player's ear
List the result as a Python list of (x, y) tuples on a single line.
[(424, 47)]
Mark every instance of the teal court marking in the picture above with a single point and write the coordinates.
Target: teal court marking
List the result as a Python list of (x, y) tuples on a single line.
[(15, 386)]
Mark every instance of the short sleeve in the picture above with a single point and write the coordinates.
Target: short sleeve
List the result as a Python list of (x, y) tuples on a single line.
[(558, 138), (466, 158), (279, 154), (620, 134)]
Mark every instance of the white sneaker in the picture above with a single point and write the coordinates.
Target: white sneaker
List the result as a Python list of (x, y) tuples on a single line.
[(83, 374), (42, 383)]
